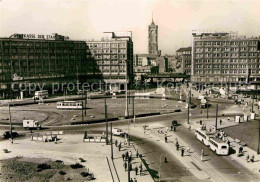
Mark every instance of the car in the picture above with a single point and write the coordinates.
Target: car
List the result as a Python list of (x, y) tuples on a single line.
[(7, 134), (118, 132), (174, 123)]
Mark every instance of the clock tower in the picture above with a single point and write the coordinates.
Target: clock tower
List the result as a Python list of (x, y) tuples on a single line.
[(153, 39)]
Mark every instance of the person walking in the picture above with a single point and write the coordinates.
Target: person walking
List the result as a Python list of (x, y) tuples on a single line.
[(165, 138), (247, 158), (177, 146), (182, 151), (119, 146), (202, 154), (137, 153), (136, 170), (126, 155), (123, 156), (116, 142), (252, 158), (125, 166), (130, 153), (140, 168)]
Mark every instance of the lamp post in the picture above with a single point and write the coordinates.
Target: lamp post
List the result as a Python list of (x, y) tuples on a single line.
[(106, 121), (216, 118), (160, 165), (126, 91)]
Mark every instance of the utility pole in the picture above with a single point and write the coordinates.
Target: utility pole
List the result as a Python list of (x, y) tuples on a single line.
[(188, 122), (82, 113), (126, 92), (133, 102), (216, 117), (106, 121), (252, 103), (207, 111), (258, 148), (128, 169), (10, 120), (111, 135)]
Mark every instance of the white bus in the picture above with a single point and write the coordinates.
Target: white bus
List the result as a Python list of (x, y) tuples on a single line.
[(31, 124), (218, 146), (203, 136), (69, 105), (42, 94)]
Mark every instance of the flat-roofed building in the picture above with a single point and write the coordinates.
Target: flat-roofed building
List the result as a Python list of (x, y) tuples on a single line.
[(225, 58), (114, 57), (41, 59)]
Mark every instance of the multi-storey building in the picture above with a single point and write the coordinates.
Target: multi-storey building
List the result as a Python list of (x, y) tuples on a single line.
[(184, 59), (114, 57), (225, 58), (30, 58)]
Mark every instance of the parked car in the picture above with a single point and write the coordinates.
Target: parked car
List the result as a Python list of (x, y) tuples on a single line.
[(7, 134)]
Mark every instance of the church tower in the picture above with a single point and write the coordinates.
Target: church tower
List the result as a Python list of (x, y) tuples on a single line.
[(153, 39)]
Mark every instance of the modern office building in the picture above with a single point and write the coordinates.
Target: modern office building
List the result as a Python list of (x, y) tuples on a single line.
[(225, 58), (183, 56), (114, 57), (41, 59)]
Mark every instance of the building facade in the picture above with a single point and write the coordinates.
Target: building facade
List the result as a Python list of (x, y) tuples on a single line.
[(114, 57), (153, 40), (183, 56), (225, 58), (30, 58)]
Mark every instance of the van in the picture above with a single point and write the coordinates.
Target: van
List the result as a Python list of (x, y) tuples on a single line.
[(118, 132)]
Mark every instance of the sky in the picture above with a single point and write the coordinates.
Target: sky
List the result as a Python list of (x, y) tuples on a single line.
[(87, 19)]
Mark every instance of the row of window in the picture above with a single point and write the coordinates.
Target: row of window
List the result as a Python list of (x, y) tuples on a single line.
[(242, 54), (226, 49), (227, 60), (40, 51), (106, 45), (43, 44), (200, 66), (226, 43)]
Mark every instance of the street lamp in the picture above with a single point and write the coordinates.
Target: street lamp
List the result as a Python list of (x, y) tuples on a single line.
[(165, 157), (126, 92)]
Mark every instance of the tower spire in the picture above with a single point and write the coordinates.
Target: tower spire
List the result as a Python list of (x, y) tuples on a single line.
[(152, 17)]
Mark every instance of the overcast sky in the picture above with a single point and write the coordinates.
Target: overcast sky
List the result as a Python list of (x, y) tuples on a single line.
[(86, 19)]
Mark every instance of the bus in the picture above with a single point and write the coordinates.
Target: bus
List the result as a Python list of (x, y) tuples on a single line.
[(203, 136), (42, 94), (69, 105), (218, 146)]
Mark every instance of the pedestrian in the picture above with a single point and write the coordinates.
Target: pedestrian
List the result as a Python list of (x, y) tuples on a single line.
[(131, 180), (136, 170), (182, 151), (140, 168), (174, 128), (165, 138), (130, 153), (200, 122), (123, 156), (119, 146), (130, 158), (116, 142), (252, 158), (137, 153), (177, 146), (135, 180), (126, 155), (202, 154), (220, 121), (125, 166), (247, 158)]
